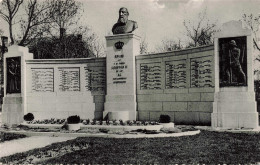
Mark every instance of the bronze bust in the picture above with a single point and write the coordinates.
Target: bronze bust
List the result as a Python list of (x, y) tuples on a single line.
[(124, 25)]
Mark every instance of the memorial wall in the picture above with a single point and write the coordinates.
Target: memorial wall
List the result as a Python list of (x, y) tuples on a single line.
[(60, 88), (179, 84)]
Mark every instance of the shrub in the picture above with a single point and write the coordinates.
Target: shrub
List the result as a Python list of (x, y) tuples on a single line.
[(10, 136), (73, 119), (28, 117), (165, 119)]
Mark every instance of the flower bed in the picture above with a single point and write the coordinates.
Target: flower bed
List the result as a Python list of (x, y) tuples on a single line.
[(97, 125), (47, 121), (96, 122)]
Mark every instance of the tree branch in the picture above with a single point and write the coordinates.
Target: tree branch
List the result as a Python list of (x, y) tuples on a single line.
[(257, 47)]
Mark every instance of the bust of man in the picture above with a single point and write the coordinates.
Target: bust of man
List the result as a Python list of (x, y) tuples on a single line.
[(124, 25)]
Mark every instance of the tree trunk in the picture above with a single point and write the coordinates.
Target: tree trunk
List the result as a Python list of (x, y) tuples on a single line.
[(11, 31)]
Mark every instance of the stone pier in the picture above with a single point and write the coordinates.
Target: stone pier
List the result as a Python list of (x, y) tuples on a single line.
[(121, 76), (14, 101), (234, 103)]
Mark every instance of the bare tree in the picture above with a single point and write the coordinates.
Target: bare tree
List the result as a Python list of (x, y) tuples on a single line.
[(94, 44), (33, 24), (169, 45), (1, 32), (8, 11), (201, 32), (64, 13), (97, 48), (41, 17), (40, 22), (253, 22), (143, 46)]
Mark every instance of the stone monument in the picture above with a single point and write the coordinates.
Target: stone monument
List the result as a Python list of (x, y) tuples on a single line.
[(14, 103), (234, 104), (122, 47)]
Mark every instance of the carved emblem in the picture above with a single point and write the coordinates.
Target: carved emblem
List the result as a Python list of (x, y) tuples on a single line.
[(119, 45)]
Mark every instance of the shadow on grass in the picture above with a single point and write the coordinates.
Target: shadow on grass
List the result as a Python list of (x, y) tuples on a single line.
[(206, 147)]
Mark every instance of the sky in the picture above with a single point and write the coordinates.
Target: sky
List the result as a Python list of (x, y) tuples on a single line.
[(163, 19), (159, 19)]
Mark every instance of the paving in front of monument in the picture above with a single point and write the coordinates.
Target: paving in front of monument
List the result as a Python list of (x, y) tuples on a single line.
[(233, 130), (25, 144)]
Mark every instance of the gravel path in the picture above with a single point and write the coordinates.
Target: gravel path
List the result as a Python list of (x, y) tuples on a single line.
[(25, 144)]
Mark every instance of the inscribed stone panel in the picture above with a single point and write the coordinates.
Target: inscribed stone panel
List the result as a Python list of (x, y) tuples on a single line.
[(95, 79), (150, 76), (69, 79), (201, 72), (119, 68), (175, 74), (42, 79)]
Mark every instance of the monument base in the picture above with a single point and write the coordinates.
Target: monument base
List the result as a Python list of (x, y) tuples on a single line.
[(120, 107), (12, 110), (118, 115), (234, 108)]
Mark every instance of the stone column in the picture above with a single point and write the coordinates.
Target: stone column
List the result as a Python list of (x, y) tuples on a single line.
[(14, 84), (121, 76), (234, 103)]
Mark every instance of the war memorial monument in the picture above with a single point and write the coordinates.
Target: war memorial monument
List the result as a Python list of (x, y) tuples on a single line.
[(209, 85)]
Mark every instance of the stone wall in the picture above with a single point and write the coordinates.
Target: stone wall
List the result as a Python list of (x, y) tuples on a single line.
[(65, 87), (179, 84)]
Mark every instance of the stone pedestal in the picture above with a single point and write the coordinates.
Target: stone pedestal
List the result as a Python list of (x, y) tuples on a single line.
[(234, 108), (121, 76), (14, 99), (12, 110), (234, 104)]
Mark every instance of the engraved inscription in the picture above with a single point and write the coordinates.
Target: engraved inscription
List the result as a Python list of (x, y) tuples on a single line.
[(69, 79), (42, 80), (175, 74), (119, 67), (95, 78), (201, 72), (150, 76)]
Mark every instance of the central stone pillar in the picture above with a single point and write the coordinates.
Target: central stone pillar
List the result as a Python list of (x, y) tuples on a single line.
[(121, 77)]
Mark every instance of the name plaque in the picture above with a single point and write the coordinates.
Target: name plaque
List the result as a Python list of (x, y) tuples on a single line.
[(201, 72), (95, 78), (175, 74), (69, 79), (150, 76), (42, 79), (119, 66)]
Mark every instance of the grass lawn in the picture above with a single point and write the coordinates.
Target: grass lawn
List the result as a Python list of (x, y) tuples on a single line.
[(206, 147)]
